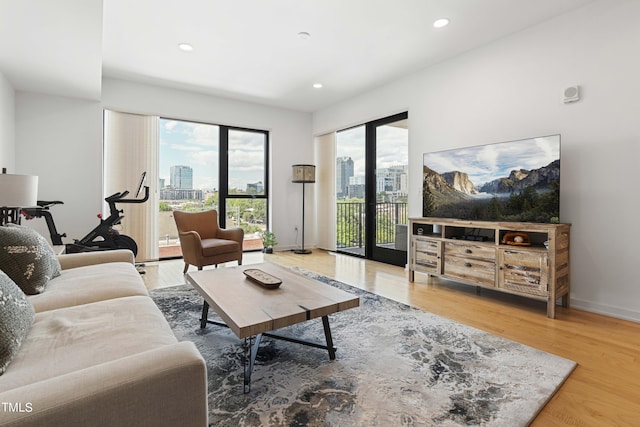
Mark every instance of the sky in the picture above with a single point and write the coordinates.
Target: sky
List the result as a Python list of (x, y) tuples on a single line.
[(197, 145), (484, 163)]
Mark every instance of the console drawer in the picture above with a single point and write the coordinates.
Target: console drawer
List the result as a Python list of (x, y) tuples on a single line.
[(472, 250), (471, 270)]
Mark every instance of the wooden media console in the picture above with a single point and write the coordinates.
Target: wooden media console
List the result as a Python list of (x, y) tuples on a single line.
[(527, 259)]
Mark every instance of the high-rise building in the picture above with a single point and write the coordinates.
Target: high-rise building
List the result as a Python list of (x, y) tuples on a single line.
[(344, 171), (392, 179), (181, 177)]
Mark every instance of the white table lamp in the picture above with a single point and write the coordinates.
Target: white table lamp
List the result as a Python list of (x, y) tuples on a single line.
[(16, 192)]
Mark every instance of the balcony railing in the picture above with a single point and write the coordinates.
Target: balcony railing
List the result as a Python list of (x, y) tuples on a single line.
[(351, 223)]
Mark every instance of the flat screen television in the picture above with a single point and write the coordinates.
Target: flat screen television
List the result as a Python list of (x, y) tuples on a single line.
[(507, 181)]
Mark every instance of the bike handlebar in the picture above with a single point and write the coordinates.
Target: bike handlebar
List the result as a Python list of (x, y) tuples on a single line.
[(120, 197), (47, 203)]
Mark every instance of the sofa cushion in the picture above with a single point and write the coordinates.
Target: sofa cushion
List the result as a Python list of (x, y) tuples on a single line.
[(69, 339), (27, 258), (92, 283), (16, 317)]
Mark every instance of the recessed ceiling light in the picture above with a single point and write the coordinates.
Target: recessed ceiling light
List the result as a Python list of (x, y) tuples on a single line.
[(317, 85), (441, 23), (303, 35), (186, 47)]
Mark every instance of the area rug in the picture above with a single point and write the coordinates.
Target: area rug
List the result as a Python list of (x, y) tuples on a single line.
[(395, 366)]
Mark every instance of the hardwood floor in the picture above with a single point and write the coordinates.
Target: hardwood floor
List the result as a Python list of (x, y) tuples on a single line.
[(604, 390)]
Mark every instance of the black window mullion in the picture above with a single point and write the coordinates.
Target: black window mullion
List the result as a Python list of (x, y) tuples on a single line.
[(223, 179)]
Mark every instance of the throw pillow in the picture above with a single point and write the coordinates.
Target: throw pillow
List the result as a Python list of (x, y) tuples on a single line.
[(27, 258), (16, 318)]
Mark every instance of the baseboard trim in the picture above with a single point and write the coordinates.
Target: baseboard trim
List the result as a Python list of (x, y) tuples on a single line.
[(607, 310), (280, 248)]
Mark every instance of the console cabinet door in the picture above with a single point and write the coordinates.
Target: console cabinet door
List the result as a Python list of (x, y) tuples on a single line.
[(427, 255), (523, 271)]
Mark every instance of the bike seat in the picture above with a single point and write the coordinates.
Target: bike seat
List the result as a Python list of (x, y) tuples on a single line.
[(47, 203)]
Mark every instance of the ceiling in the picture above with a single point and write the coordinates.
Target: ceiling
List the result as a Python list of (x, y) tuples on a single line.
[(248, 49)]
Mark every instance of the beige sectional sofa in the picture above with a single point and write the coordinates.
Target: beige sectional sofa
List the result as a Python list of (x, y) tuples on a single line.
[(100, 353)]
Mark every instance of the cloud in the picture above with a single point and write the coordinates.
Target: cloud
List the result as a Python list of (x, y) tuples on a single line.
[(203, 135), (169, 124), (204, 158), (181, 147), (242, 160)]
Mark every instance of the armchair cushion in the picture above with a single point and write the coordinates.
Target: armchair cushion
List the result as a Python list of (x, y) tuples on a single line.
[(213, 247)]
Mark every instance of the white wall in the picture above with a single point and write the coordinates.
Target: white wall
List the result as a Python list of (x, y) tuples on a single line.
[(60, 140), (290, 142), (7, 126), (511, 89)]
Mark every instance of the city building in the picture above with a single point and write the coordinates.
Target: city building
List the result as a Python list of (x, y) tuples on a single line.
[(344, 171), (181, 177), (181, 194)]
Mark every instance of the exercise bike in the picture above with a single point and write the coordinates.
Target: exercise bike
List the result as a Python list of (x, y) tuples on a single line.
[(103, 236)]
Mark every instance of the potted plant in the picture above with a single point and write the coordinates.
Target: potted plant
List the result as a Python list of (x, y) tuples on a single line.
[(268, 241)]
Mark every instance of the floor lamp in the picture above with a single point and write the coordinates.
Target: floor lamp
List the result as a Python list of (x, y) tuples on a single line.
[(16, 192), (303, 174)]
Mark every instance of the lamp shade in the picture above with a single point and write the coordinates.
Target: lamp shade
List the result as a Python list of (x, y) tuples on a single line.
[(303, 173), (18, 191)]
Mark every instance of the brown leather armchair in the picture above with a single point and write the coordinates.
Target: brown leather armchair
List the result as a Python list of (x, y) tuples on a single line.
[(203, 242)]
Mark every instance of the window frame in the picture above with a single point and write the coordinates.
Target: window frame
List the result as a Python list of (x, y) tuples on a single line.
[(223, 178)]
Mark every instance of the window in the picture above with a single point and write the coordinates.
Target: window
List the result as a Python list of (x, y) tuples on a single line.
[(244, 182), (204, 166)]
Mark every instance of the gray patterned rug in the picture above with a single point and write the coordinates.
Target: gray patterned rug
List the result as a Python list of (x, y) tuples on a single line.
[(395, 366)]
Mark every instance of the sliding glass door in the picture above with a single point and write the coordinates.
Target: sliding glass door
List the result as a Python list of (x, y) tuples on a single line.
[(388, 141), (371, 190), (350, 191)]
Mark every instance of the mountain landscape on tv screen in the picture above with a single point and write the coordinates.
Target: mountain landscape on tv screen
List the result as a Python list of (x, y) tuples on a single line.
[(491, 184)]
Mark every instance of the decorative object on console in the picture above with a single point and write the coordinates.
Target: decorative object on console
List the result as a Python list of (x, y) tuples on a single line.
[(516, 238), (16, 192), (304, 174)]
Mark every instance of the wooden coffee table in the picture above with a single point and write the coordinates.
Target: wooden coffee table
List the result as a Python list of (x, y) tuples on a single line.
[(252, 311)]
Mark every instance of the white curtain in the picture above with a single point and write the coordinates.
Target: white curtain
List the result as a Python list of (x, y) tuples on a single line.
[(130, 148), (325, 190)]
